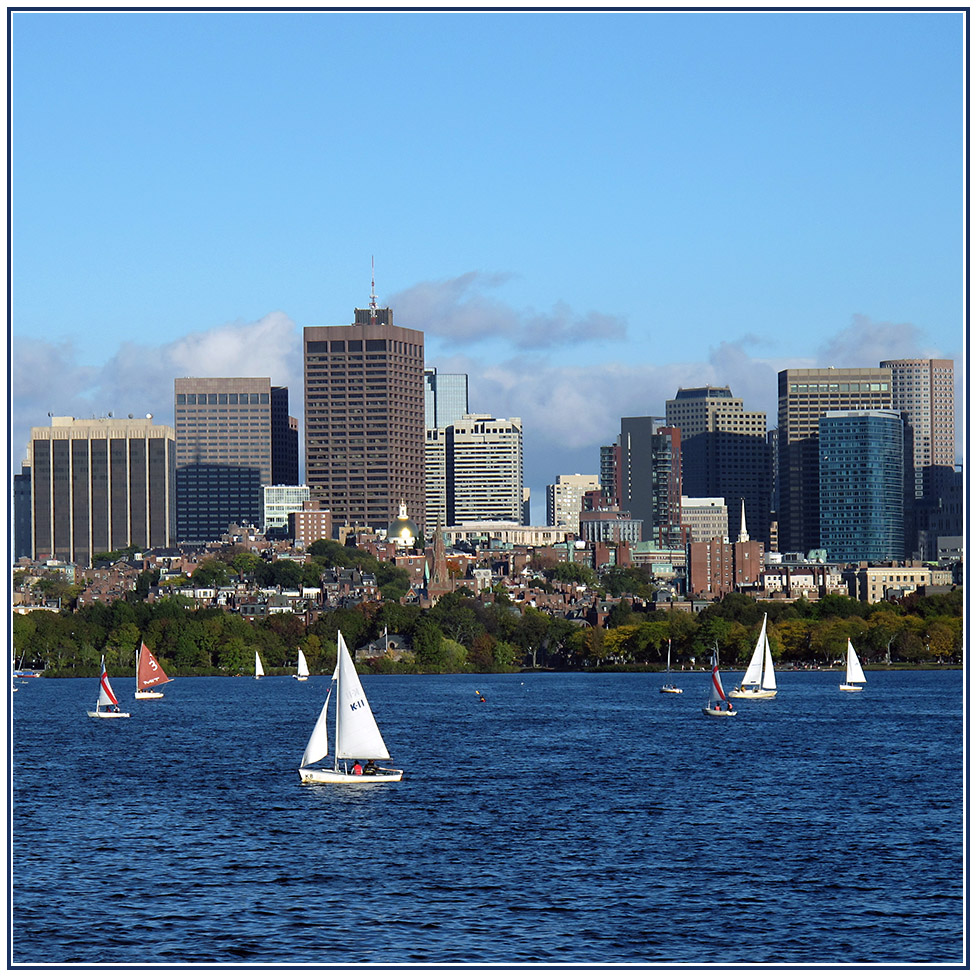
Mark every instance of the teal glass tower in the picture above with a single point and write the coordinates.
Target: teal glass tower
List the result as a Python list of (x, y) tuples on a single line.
[(862, 466)]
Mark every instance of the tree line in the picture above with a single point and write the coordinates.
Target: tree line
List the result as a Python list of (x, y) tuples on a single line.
[(487, 632)]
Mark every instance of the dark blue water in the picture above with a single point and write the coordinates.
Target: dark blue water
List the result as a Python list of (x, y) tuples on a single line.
[(568, 819)]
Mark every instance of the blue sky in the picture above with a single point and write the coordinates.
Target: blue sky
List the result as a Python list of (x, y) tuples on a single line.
[(582, 210)]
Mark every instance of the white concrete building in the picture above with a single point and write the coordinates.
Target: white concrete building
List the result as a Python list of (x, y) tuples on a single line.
[(563, 499)]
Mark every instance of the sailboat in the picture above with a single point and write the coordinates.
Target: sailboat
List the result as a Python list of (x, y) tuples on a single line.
[(760, 680), (259, 671), (669, 686), (302, 671), (357, 736), (853, 672), (718, 707), (149, 674), (107, 706)]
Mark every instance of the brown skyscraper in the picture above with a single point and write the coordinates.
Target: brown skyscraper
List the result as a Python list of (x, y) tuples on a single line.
[(364, 418)]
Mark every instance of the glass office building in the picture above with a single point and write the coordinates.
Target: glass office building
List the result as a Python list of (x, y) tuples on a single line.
[(862, 485)]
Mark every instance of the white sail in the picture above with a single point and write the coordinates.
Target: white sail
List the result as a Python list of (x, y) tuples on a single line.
[(716, 693), (318, 745), (853, 671), (357, 733), (754, 671), (258, 670), (303, 668), (769, 675)]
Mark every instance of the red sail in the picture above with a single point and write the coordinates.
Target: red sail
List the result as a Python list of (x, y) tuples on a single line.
[(149, 672)]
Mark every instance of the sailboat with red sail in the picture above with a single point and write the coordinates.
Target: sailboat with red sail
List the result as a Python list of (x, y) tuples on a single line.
[(149, 675), (107, 705)]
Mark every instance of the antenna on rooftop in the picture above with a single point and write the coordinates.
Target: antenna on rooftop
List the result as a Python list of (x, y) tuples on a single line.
[(373, 284)]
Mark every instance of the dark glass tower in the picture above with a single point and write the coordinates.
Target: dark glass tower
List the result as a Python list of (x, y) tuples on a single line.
[(862, 485)]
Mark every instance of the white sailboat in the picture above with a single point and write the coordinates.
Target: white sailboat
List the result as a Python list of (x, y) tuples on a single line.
[(356, 738), (669, 686), (853, 672), (259, 672), (107, 705), (760, 680), (149, 674), (302, 671), (718, 706)]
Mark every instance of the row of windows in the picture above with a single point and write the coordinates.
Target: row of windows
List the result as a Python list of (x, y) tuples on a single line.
[(228, 398), (359, 345)]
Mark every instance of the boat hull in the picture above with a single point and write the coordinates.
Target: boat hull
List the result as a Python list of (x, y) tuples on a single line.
[(313, 775), (301, 678), (751, 693), (718, 713), (149, 695), (672, 691), (108, 715), (851, 688)]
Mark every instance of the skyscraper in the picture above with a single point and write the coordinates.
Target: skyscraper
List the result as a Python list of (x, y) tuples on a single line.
[(724, 454), (923, 390), (862, 485), (483, 469), (223, 453), (651, 478), (364, 418), (445, 397), (101, 485), (284, 440), (804, 396), (445, 401)]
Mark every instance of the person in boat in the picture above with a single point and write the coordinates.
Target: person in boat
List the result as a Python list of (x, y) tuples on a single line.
[(370, 768), (358, 768), (729, 706)]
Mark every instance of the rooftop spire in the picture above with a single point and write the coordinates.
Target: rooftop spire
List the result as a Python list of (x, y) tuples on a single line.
[(373, 289), (744, 536)]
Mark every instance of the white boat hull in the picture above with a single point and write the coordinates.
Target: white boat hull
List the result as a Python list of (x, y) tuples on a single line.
[(718, 713), (672, 690), (108, 715), (315, 775), (149, 695), (301, 678), (751, 693), (851, 688)]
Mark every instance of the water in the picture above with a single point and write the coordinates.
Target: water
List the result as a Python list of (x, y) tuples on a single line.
[(568, 819)]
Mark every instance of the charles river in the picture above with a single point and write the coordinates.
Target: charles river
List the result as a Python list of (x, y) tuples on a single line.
[(569, 818)]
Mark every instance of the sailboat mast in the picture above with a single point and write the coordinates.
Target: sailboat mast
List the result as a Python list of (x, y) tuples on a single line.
[(339, 699)]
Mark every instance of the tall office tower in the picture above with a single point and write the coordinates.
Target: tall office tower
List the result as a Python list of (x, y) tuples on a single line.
[(284, 440), (445, 401), (223, 454), (22, 512), (445, 397), (862, 485), (610, 473), (364, 419), (724, 454), (651, 478), (803, 397), (483, 470), (101, 485), (923, 390), (564, 499)]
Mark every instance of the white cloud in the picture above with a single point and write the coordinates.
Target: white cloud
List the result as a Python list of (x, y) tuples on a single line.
[(460, 312), (139, 377)]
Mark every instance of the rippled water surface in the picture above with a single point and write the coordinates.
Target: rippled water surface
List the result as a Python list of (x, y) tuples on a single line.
[(569, 818)]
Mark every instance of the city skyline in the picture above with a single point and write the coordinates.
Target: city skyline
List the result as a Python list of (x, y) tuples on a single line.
[(743, 193)]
